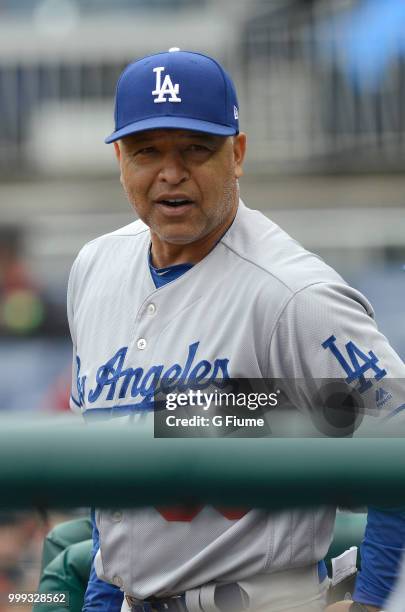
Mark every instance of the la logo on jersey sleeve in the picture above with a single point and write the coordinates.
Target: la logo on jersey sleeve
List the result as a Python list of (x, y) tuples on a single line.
[(357, 363)]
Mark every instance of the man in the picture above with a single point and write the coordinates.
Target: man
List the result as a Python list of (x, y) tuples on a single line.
[(203, 287)]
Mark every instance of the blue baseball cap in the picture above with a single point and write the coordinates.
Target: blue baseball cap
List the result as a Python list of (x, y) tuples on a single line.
[(175, 90)]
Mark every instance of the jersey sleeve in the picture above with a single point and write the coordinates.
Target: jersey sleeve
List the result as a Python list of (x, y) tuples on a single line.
[(327, 332)]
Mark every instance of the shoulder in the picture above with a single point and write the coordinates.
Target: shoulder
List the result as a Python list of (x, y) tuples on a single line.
[(128, 234), (113, 243), (264, 246), (106, 257)]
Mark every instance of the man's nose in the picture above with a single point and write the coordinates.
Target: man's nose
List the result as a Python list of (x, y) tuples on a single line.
[(173, 169)]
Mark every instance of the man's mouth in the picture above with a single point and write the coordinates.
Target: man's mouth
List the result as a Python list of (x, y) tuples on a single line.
[(175, 202)]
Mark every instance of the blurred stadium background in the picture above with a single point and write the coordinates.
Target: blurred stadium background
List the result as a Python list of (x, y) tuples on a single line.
[(326, 160)]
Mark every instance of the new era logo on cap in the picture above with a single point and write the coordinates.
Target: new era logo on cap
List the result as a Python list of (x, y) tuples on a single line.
[(175, 90)]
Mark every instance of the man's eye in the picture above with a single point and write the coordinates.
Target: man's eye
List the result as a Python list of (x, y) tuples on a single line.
[(145, 151), (198, 148)]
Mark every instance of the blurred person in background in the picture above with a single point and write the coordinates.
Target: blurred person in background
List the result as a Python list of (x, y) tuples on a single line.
[(21, 537), (21, 307)]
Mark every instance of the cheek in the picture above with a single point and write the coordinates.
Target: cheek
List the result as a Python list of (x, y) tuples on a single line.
[(217, 185), (212, 182), (136, 185)]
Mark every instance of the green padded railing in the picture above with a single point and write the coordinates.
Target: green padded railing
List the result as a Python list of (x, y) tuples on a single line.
[(66, 465)]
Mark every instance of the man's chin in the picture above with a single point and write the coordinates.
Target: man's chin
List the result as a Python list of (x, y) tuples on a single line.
[(179, 239)]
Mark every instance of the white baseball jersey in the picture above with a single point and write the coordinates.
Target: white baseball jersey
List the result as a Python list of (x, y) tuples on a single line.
[(257, 306)]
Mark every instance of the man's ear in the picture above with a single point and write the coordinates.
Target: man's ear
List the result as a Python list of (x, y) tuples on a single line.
[(117, 150), (239, 150)]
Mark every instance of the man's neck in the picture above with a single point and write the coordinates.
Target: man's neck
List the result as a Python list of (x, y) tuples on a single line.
[(165, 254)]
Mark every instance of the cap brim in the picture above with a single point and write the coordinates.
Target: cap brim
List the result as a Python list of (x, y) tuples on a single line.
[(172, 123)]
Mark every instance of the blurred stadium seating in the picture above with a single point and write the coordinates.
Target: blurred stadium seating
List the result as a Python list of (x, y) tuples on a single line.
[(60, 60)]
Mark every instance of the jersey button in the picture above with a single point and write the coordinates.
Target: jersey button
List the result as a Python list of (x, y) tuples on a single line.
[(141, 344), (117, 580), (117, 517), (151, 309)]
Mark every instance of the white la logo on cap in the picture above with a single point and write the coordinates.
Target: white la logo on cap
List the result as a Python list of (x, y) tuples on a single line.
[(166, 88)]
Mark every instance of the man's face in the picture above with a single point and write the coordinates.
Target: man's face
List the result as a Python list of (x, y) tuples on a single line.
[(182, 184)]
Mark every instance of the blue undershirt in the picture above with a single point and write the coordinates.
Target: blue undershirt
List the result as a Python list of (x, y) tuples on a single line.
[(100, 595), (381, 549), (162, 276), (381, 553)]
